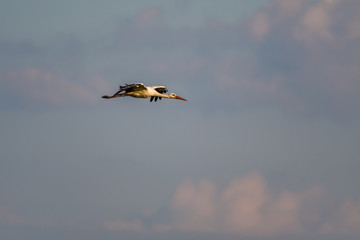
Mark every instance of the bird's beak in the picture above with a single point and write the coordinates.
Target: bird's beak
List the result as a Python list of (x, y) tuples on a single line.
[(177, 97)]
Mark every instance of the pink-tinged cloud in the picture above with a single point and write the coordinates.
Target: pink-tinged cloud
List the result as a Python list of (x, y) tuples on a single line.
[(252, 210), (276, 12), (312, 46), (242, 200), (345, 220), (244, 207), (260, 25), (147, 17), (316, 22), (309, 19), (247, 207), (194, 206), (8, 217), (35, 84), (122, 225)]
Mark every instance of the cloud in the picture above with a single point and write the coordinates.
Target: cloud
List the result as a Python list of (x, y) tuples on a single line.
[(147, 17), (250, 209), (316, 22), (8, 217), (44, 86), (244, 207), (311, 47), (345, 220), (122, 225), (260, 25), (194, 206), (247, 207), (305, 19)]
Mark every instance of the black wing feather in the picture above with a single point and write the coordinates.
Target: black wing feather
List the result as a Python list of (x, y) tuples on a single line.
[(132, 87), (161, 90)]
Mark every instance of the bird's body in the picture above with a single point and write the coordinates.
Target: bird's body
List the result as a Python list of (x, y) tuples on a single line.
[(139, 90)]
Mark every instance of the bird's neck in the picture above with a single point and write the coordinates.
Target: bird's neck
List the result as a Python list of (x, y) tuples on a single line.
[(163, 95)]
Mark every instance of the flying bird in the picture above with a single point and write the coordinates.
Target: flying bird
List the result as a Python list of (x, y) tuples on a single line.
[(139, 90)]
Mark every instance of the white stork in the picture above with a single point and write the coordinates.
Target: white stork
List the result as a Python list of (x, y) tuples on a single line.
[(139, 90)]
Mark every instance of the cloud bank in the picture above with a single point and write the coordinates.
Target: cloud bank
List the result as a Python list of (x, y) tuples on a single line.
[(310, 50), (247, 207)]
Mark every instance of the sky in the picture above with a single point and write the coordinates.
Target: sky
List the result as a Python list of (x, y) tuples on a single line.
[(266, 147)]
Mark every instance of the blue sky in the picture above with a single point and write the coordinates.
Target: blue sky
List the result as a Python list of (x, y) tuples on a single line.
[(265, 148)]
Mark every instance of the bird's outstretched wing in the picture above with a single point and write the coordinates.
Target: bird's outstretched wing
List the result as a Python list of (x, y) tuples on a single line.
[(132, 87), (159, 89)]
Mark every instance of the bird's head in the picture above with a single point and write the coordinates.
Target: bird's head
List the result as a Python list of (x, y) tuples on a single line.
[(173, 95)]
